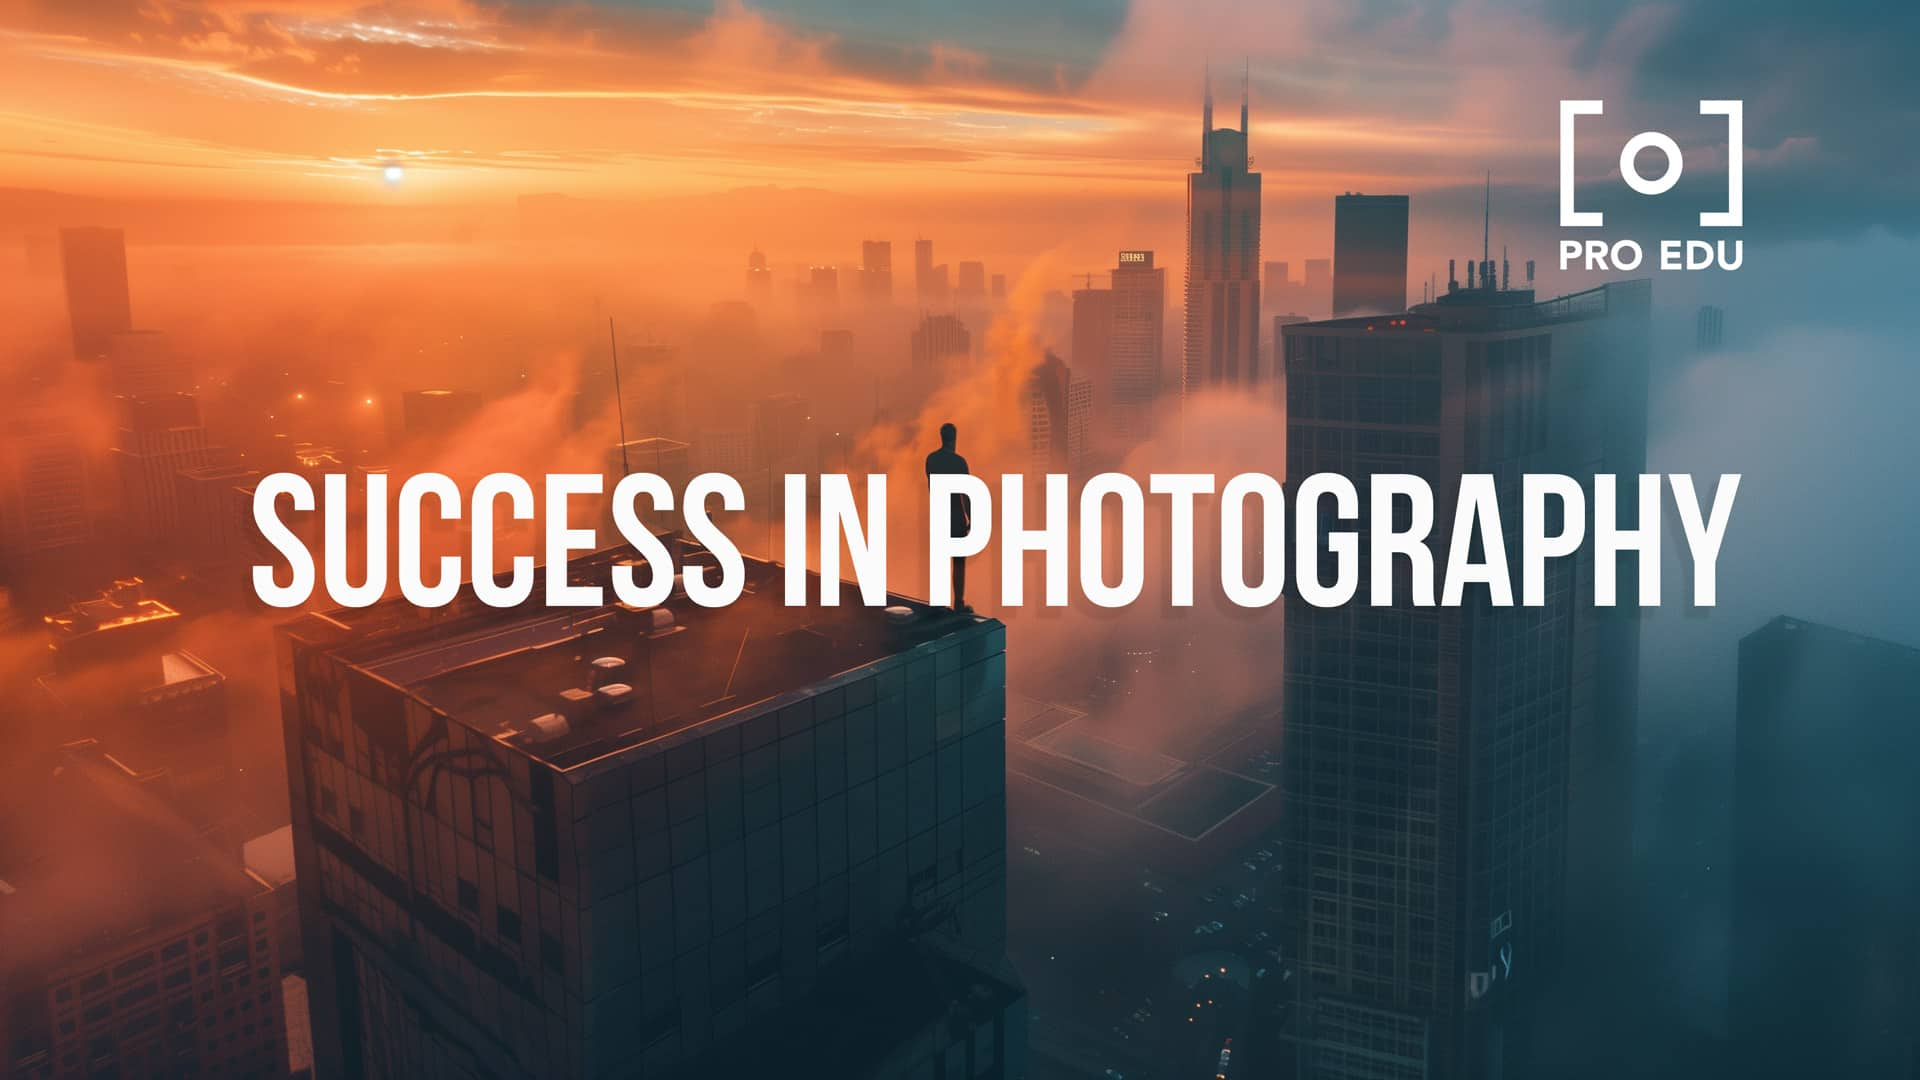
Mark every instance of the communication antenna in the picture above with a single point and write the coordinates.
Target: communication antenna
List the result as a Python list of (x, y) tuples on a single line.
[(619, 404), (1486, 220)]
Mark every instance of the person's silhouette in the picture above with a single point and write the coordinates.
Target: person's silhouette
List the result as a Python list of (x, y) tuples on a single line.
[(946, 460)]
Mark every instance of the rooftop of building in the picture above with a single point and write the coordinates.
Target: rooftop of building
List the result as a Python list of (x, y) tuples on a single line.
[(140, 677), (569, 686), (123, 616), (1788, 626), (1485, 310), (103, 862)]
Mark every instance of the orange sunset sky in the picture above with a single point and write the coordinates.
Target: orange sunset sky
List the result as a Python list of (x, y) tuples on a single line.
[(310, 99), (1057, 122)]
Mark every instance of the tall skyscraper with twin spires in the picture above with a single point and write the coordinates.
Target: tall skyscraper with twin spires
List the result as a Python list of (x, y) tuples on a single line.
[(1223, 259)]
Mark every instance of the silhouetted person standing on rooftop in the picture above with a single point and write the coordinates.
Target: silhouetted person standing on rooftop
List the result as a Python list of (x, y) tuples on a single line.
[(947, 460)]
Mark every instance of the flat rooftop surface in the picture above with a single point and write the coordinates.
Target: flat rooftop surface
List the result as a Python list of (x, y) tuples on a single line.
[(496, 670), (1069, 751)]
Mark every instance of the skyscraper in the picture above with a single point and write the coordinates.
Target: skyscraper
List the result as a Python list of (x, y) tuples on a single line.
[(95, 262), (46, 500), (1274, 279), (972, 284), (1136, 344), (158, 437), (939, 344), (1822, 955), (1092, 329), (1708, 328), (1059, 407), (1458, 779), (876, 270), (144, 362), (1319, 286), (759, 278), (670, 841), (823, 289), (929, 281), (1223, 259), (1369, 254)]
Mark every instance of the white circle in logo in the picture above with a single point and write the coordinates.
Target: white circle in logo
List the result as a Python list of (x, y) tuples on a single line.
[(1630, 172)]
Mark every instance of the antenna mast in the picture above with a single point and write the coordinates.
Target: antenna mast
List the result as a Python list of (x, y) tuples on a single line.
[(619, 405)]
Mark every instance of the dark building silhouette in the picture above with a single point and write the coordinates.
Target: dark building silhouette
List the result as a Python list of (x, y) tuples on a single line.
[(1059, 416), (821, 293), (1822, 952), (95, 264), (930, 284), (1092, 351), (759, 278), (133, 947), (743, 841), (1708, 326), (145, 363), (972, 284), (876, 270), (1458, 779), (157, 439), (1369, 254), (46, 496), (1223, 259), (1319, 285), (938, 344)]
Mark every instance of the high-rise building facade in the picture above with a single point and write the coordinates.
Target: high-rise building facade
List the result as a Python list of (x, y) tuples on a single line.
[(1092, 330), (1709, 325), (930, 285), (1369, 255), (1319, 286), (98, 307), (158, 438), (759, 278), (1457, 780), (1059, 409), (971, 285), (1822, 950), (876, 270), (823, 289), (46, 498), (1223, 260), (144, 362), (938, 345), (1136, 345), (539, 844)]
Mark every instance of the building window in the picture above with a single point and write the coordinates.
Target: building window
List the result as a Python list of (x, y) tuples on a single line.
[(508, 921), (550, 953), (469, 896)]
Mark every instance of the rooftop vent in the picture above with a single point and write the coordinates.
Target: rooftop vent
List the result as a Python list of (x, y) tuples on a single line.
[(898, 615), (606, 669), (616, 695), (547, 727)]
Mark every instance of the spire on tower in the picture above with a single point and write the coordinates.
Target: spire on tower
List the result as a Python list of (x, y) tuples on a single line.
[(1206, 114), (1486, 219), (1243, 95)]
